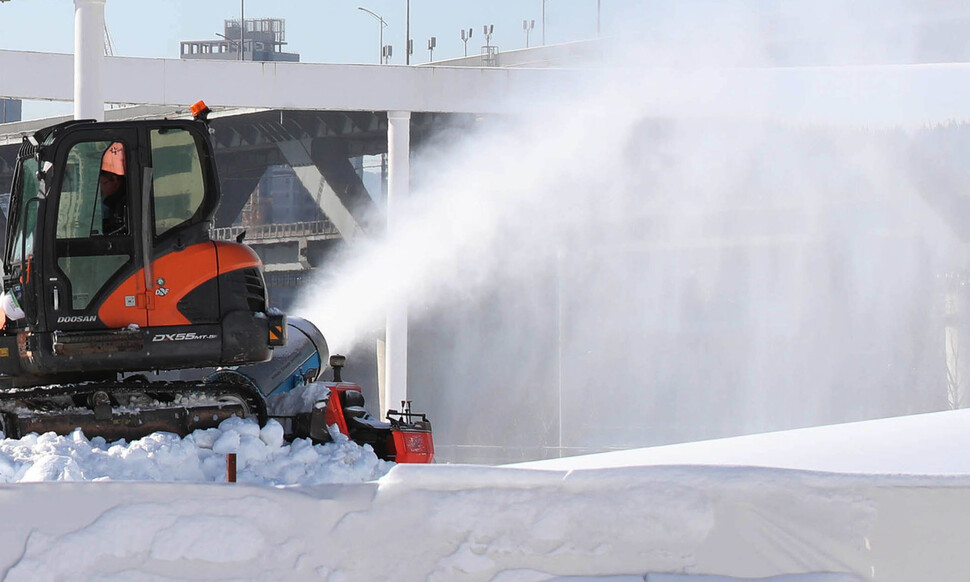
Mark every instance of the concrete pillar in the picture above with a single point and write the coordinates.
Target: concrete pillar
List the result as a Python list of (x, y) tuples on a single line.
[(398, 184), (88, 59)]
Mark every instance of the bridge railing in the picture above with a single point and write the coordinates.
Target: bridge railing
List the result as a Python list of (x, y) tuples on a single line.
[(321, 228)]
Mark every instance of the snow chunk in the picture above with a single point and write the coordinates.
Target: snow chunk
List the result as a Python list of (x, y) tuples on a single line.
[(300, 399), (272, 434), (53, 468)]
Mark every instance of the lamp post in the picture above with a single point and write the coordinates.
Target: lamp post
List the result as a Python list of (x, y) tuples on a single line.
[(230, 41), (465, 35), (432, 42), (543, 22), (597, 18), (407, 32), (380, 44), (242, 30), (489, 51), (527, 26)]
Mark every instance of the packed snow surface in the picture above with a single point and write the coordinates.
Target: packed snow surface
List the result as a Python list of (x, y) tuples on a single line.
[(623, 516)]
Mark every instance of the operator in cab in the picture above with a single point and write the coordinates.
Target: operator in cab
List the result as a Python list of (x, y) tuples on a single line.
[(114, 196)]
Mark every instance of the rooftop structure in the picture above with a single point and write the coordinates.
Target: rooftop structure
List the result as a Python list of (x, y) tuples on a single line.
[(262, 40)]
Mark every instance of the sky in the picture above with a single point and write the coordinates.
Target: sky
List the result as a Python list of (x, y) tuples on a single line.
[(333, 31), (336, 31)]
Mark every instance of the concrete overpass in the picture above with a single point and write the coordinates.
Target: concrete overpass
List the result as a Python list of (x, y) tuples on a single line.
[(332, 87)]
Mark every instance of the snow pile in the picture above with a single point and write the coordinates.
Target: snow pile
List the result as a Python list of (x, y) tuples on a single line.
[(263, 457)]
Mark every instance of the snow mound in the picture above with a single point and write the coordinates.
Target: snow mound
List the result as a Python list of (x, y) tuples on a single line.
[(262, 457)]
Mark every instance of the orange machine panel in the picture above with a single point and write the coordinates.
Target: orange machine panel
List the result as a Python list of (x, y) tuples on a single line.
[(173, 276), (234, 256)]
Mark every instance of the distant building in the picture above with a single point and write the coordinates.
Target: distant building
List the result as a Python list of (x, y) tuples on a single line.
[(10, 110), (279, 198), (263, 40)]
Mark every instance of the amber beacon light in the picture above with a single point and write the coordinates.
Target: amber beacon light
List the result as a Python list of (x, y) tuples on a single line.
[(200, 110)]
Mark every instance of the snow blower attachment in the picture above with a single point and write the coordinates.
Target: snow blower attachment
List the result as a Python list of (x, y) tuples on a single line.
[(119, 313), (405, 438)]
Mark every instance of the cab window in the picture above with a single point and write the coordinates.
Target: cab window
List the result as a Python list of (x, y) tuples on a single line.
[(178, 185), (83, 206), (93, 205), (26, 190)]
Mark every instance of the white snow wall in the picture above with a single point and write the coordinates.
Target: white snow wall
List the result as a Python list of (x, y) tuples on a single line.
[(473, 523)]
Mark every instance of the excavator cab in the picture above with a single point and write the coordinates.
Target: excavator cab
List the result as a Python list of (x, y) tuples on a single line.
[(108, 263)]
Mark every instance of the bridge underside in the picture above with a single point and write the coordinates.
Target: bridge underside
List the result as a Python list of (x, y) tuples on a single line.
[(320, 147)]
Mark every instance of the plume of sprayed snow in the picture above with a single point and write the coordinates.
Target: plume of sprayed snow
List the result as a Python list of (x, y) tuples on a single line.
[(722, 269)]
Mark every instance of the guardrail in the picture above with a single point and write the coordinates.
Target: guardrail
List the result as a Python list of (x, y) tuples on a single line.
[(321, 228)]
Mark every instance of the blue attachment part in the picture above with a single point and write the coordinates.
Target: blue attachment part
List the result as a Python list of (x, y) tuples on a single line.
[(299, 362), (300, 376)]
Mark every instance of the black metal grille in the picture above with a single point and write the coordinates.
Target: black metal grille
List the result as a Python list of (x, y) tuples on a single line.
[(255, 290)]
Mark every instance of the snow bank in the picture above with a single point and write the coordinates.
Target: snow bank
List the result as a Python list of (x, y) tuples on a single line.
[(500, 524), (441, 522), (263, 457)]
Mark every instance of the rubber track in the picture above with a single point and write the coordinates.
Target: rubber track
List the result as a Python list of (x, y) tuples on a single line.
[(245, 392)]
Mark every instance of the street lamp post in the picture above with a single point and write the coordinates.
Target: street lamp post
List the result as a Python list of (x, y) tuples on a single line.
[(230, 41), (543, 22), (489, 51), (407, 32), (432, 42), (242, 30), (527, 26), (465, 35), (597, 18), (380, 44)]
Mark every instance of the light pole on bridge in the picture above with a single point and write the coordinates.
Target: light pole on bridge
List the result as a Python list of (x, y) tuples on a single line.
[(242, 30), (380, 58), (598, 2), (465, 35)]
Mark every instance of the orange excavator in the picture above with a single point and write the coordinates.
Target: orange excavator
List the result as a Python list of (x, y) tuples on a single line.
[(121, 316)]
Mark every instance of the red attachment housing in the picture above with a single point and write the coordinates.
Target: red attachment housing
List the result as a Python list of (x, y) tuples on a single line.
[(412, 446), (335, 410), (403, 440)]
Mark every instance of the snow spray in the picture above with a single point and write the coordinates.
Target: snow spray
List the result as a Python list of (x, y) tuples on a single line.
[(679, 248)]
